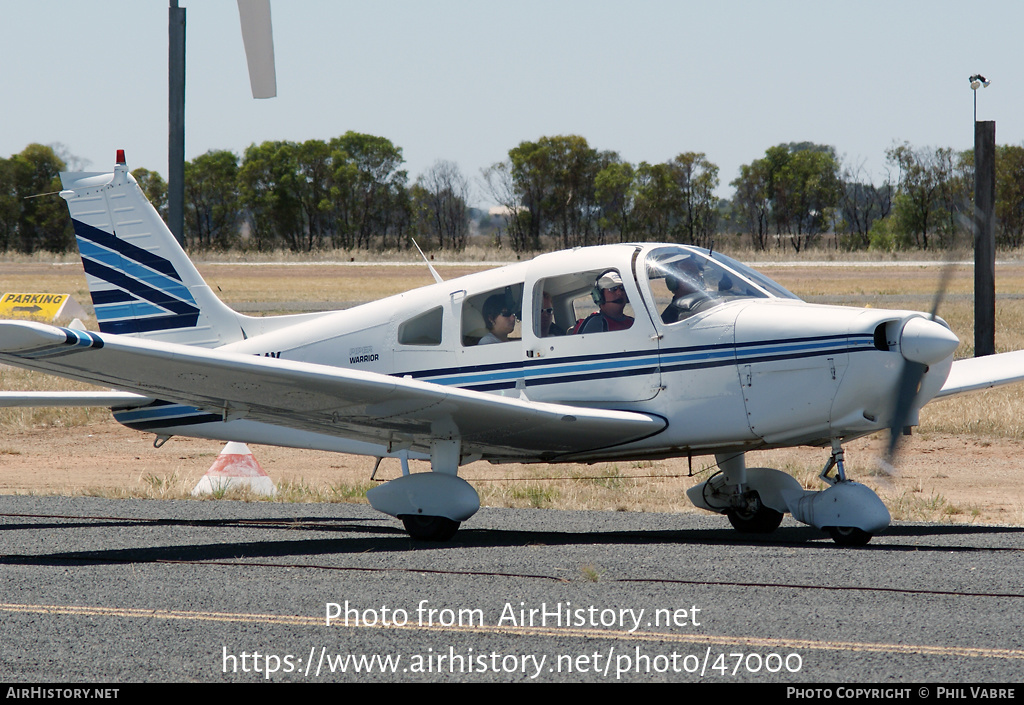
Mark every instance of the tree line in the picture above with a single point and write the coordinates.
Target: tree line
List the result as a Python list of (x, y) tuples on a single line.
[(351, 192)]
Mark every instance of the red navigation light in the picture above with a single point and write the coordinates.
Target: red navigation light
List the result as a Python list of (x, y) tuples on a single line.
[(120, 157)]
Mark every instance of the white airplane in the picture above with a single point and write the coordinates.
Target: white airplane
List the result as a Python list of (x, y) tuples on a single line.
[(702, 355)]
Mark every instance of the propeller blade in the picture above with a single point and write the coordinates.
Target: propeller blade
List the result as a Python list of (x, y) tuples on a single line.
[(910, 383), (940, 293), (258, 37)]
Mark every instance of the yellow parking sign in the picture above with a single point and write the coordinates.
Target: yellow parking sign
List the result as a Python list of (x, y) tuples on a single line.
[(42, 306)]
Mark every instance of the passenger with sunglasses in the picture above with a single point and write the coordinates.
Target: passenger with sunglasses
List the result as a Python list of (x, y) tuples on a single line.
[(548, 327), (499, 319)]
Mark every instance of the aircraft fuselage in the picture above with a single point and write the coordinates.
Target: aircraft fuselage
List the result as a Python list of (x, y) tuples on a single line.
[(756, 367)]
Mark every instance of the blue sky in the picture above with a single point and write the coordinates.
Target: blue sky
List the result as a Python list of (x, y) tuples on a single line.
[(467, 80)]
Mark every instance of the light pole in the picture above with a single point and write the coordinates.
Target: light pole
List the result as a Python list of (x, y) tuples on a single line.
[(984, 232)]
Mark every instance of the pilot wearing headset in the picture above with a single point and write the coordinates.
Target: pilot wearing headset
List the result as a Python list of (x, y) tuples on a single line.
[(610, 297), (688, 291)]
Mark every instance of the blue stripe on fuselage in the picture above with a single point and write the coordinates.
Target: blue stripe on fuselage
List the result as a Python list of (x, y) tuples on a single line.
[(598, 366)]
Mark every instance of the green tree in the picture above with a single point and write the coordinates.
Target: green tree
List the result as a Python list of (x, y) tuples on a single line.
[(212, 201), (675, 200), (615, 195), (315, 179), (348, 192), (155, 188), (268, 182), (861, 204), (803, 186), (532, 174), (654, 201), (440, 201), (368, 191), (10, 207), (751, 202), (554, 180), (695, 180), (32, 216), (935, 191), (1010, 195)]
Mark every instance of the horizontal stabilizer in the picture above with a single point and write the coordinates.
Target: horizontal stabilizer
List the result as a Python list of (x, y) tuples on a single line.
[(112, 400)]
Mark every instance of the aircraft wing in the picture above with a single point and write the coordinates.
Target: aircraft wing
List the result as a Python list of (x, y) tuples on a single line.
[(983, 373), (341, 402)]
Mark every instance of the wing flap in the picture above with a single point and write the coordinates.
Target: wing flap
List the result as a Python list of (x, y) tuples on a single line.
[(337, 401)]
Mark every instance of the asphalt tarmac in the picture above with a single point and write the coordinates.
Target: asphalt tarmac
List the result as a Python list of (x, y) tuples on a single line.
[(97, 590)]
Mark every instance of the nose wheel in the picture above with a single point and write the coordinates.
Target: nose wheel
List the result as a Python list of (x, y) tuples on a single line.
[(848, 535), (862, 500), (429, 528)]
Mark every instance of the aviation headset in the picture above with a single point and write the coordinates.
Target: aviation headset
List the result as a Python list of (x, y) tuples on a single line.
[(597, 293)]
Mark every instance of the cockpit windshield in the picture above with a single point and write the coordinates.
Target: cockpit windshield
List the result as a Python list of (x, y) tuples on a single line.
[(685, 280)]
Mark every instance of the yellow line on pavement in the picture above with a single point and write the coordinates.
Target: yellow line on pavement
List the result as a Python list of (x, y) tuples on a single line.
[(664, 637)]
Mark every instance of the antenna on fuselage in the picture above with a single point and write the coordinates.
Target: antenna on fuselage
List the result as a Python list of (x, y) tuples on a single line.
[(437, 277)]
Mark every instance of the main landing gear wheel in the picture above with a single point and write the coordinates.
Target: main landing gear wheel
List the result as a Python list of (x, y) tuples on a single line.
[(849, 535), (755, 518), (429, 528)]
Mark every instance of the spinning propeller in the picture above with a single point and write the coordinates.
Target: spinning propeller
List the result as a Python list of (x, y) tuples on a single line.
[(923, 342)]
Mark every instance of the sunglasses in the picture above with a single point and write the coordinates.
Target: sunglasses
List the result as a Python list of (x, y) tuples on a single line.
[(506, 313)]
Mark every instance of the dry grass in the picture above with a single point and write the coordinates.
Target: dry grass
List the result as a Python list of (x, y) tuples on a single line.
[(13, 379), (640, 487), (337, 283), (994, 413), (624, 487)]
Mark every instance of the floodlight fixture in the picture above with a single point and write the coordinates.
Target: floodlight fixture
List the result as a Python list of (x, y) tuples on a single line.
[(977, 81)]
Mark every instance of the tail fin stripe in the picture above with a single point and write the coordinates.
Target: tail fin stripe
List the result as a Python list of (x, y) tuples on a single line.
[(110, 312), (103, 297), (141, 273), (147, 325), (160, 298), (133, 252)]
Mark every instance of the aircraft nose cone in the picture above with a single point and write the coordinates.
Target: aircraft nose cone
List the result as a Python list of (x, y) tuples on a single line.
[(926, 341)]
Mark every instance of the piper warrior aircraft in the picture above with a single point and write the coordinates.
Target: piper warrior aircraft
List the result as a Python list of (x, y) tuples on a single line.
[(618, 352)]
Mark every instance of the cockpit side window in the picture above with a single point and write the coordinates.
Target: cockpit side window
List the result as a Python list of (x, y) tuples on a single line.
[(685, 281)]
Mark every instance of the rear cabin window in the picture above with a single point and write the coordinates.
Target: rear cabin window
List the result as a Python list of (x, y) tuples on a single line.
[(424, 329), (508, 299)]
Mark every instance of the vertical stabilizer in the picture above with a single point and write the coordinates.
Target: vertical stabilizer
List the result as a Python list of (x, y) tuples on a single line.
[(142, 283)]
